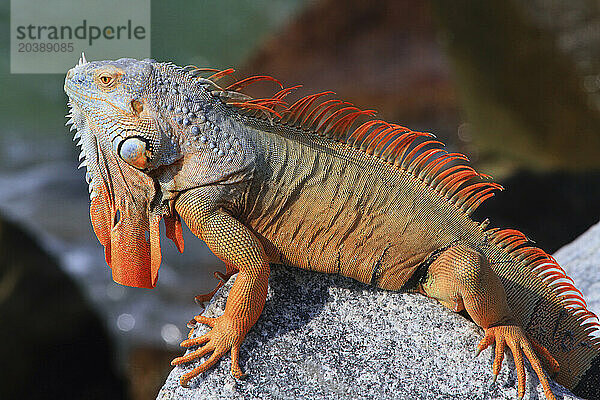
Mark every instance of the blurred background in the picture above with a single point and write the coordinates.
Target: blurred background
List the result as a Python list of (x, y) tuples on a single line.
[(514, 84)]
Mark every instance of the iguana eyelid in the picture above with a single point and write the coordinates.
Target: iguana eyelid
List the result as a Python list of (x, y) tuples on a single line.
[(107, 79)]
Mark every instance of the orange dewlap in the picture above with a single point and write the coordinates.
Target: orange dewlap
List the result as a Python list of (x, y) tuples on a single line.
[(134, 260)]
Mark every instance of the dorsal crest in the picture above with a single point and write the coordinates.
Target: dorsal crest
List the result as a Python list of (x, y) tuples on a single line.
[(418, 153)]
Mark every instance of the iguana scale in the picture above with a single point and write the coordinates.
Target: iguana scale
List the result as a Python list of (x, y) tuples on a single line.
[(309, 184)]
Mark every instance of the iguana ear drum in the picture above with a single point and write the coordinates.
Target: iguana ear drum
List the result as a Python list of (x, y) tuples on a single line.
[(134, 152)]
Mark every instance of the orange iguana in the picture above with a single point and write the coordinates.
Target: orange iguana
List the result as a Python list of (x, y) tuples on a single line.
[(309, 185)]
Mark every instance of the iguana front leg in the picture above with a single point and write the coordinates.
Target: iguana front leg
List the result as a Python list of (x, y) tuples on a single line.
[(462, 279), (237, 246)]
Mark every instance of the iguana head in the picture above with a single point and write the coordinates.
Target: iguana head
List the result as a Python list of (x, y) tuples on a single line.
[(146, 134)]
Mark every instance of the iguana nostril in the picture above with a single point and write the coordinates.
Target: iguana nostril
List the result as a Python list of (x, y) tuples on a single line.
[(133, 152), (79, 77)]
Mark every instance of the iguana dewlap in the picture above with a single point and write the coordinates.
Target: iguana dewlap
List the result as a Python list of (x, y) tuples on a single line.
[(318, 184)]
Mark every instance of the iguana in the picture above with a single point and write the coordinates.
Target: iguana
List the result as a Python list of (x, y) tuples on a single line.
[(318, 184)]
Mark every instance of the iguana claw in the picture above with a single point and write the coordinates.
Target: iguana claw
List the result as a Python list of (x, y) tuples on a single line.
[(223, 337)]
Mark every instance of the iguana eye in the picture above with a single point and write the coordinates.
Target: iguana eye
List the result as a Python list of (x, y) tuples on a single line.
[(106, 79), (133, 151)]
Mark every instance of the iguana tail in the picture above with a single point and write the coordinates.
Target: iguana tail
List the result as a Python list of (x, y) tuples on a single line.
[(550, 308)]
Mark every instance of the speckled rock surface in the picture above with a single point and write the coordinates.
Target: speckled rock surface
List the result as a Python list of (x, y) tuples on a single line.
[(327, 337)]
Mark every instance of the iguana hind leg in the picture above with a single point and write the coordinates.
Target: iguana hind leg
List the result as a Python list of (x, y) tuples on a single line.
[(237, 246), (462, 279)]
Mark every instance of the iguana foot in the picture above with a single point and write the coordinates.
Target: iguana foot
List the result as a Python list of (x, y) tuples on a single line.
[(224, 336), (519, 344)]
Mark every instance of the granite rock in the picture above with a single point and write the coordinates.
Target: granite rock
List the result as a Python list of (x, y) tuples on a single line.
[(327, 337)]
